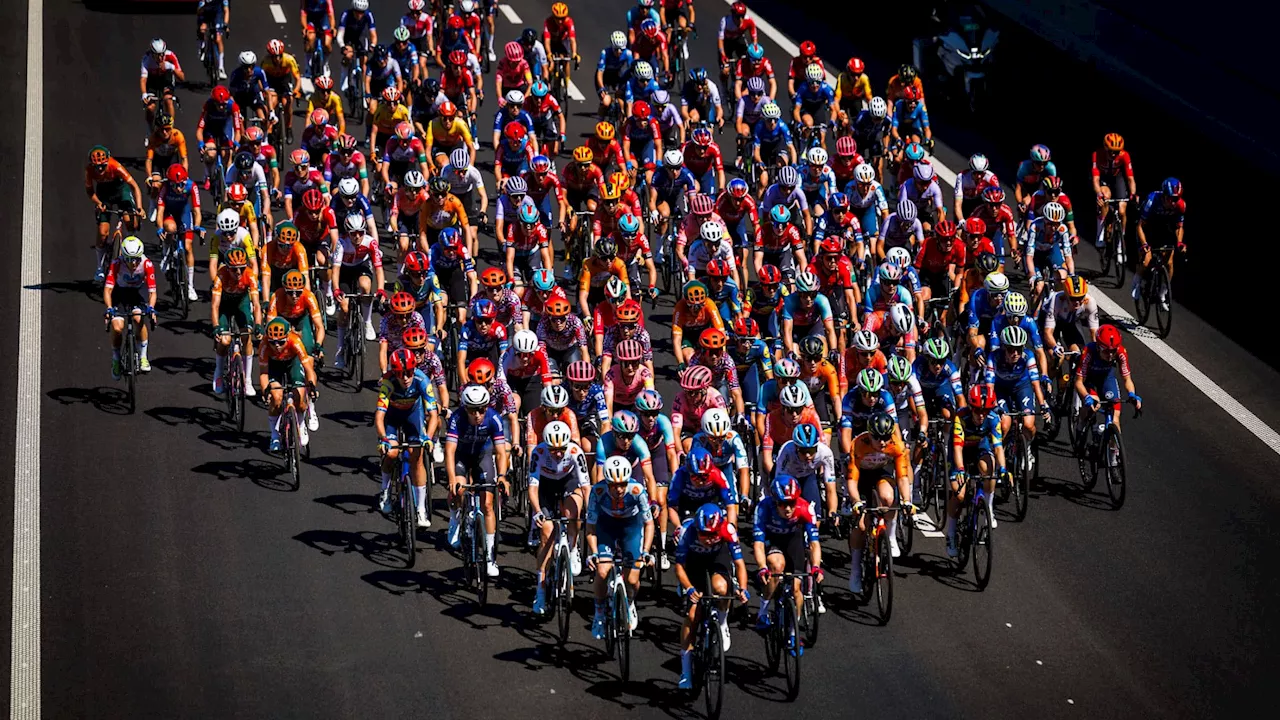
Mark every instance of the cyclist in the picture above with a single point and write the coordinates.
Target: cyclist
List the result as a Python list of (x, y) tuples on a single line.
[(748, 113), (402, 315), (356, 267), (785, 540), (240, 310), (627, 324), (708, 557), (660, 437), (215, 14), (406, 412), (737, 208), (754, 65), (977, 442), (970, 184), (700, 100), (1049, 257), (558, 483), (161, 71), (806, 312), (109, 186), (482, 336), (621, 441), (984, 304), (231, 234), (282, 360), (318, 232), (737, 32), (1159, 227), (907, 77), (1113, 180), (248, 85), (421, 26), (696, 396), (870, 476), (1070, 318), (669, 194), (619, 528), (1014, 375), (794, 408), (177, 213), (1015, 314), (798, 68), (999, 220), (814, 102), (1096, 381), (404, 152), (527, 245), (476, 447), (295, 303), (512, 73), (693, 313), (323, 97), (611, 72), (940, 262), (704, 160), (563, 334), (523, 362), (300, 180), (560, 38), (1030, 172), (548, 117), (503, 400), (122, 293), (853, 88), (866, 397), (651, 45), (542, 289), (807, 457), (926, 194), (1051, 191), (726, 446), (939, 378), (317, 19), (166, 146), (554, 408), (283, 84)]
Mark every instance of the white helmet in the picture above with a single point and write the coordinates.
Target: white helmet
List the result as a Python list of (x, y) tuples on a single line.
[(901, 318), (248, 58), (515, 97), (866, 341), (525, 341), (475, 396), (349, 188), (673, 158), (771, 110), (556, 435), (922, 171), (228, 220), (715, 422), (814, 73), (363, 5), (864, 173), (618, 39), (795, 395), (711, 231), (1054, 212), (132, 248), (355, 222), (807, 282), (617, 469), (978, 163), (159, 46), (996, 282), (899, 256), (460, 159), (412, 179), (467, 6), (555, 397), (879, 108), (643, 70), (817, 156), (906, 210)]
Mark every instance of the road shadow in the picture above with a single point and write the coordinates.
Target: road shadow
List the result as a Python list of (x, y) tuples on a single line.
[(205, 417), (88, 288), (179, 326), (340, 465), (350, 503), (350, 419), (199, 366), (378, 548), (263, 473), (110, 400)]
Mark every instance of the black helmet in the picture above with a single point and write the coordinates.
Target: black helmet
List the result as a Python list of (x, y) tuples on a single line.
[(607, 247), (812, 346), (438, 185), (528, 36), (243, 160), (907, 72), (881, 426)]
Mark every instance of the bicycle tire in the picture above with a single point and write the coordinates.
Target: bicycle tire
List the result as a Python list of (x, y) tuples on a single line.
[(480, 552), (238, 381), (964, 532), (1106, 255), (129, 356), (1142, 303), (905, 531), (713, 669), (884, 579), (1085, 460), (1115, 470), (773, 640), (1164, 318), (1115, 247), (1021, 491), (941, 488), (1013, 453), (809, 617), (792, 646), (622, 626), (564, 594), (408, 519), (982, 546), (295, 447)]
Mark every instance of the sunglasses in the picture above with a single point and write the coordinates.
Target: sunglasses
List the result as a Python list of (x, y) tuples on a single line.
[(277, 343), (579, 387), (630, 363), (793, 411), (623, 436), (293, 293), (650, 415)]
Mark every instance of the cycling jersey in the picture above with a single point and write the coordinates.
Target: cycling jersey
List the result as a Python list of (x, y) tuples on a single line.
[(574, 335), (966, 433), (571, 466), (854, 412), (121, 275), (686, 496), (397, 400), (945, 383), (472, 341), (683, 409), (818, 312), (475, 441), (1001, 321), (391, 329), (351, 251), (1028, 177), (602, 504), (877, 462), (769, 522)]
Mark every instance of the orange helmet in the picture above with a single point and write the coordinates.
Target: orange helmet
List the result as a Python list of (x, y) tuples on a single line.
[(621, 179), (558, 307), (1114, 142), (628, 311), (448, 109), (237, 258), (277, 330), (402, 303), (560, 11), (604, 131), (294, 280), (582, 154), (493, 277), (712, 338), (481, 371), (414, 337)]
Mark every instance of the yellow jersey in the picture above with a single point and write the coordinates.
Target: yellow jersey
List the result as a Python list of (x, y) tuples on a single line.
[(386, 120), (248, 217), (279, 69), (850, 88), (457, 132), (333, 105)]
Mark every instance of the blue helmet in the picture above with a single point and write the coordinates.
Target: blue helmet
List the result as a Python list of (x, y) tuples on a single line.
[(698, 74), (1171, 187), (839, 201), (915, 152), (540, 89), (755, 52), (629, 225), (543, 278), (700, 461), (738, 188), (449, 236), (709, 518), (785, 488), (806, 436), (780, 214), (529, 214), (625, 422)]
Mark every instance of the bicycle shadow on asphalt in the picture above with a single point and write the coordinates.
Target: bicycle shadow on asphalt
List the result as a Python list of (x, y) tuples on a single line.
[(199, 366), (266, 475), (376, 547), (351, 419), (350, 504), (179, 326), (88, 288), (205, 417), (339, 465), (110, 400)]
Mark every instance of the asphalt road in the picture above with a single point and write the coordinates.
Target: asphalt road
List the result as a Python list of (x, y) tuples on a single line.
[(184, 577)]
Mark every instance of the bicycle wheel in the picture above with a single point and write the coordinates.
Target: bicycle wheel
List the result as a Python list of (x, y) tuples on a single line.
[(1111, 458), (792, 645), (884, 578), (1164, 308), (564, 594), (359, 349), (622, 626), (236, 388), (408, 520), (982, 545), (905, 531), (964, 533), (295, 447), (1021, 490), (1106, 255), (129, 356), (480, 554), (1013, 453), (773, 637), (1114, 247), (941, 488), (1142, 303), (809, 616), (712, 668)]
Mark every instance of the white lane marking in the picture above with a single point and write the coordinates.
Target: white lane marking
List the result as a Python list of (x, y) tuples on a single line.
[(575, 93), (510, 15), (926, 528), (1212, 390), (24, 656), (1198, 379), (277, 13)]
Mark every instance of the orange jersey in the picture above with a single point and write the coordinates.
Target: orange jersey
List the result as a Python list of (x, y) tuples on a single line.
[(113, 172), (868, 458), (293, 308), (291, 350), (778, 427), (596, 272), (854, 363), (706, 315), (444, 213), (282, 258), (173, 149), (896, 86), (233, 283), (822, 374), (541, 417)]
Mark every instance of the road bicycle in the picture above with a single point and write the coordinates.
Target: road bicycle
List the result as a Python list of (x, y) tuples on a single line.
[(1062, 395), (475, 550), (353, 350), (877, 559), (129, 357), (1111, 255), (173, 262), (1156, 292), (973, 530), (559, 578), (617, 620), (708, 652), (1099, 450), (289, 430), (233, 376), (403, 511), (932, 475), (1021, 459)]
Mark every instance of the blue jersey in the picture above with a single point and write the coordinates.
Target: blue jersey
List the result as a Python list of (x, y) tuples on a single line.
[(639, 14), (244, 80), (731, 456), (471, 340), (474, 441), (591, 409), (607, 447), (809, 96), (398, 401), (669, 187), (694, 543), (614, 60), (635, 87), (763, 135), (917, 119), (354, 26), (359, 205), (948, 376), (828, 225), (854, 413), (407, 59), (685, 496), (633, 505), (177, 198), (980, 308), (770, 522), (501, 118), (1005, 374), (823, 181), (1027, 175), (660, 436), (820, 311), (1001, 322), (758, 355)]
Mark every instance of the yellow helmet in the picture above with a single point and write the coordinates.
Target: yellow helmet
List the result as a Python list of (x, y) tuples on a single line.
[(1076, 287), (560, 11), (582, 154), (1114, 142), (611, 191), (604, 131), (621, 179)]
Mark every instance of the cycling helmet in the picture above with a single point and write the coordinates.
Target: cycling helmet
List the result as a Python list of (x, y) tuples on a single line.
[(618, 39), (515, 132), (771, 111), (401, 34), (629, 351), (556, 435), (788, 177), (914, 152), (739, 9), (910, 94), (438, 185), (1014, 336), (313, 200), (806, 436), (715, 422), (866, 341), (391, 93), (899, 369), (899, 256), (1109, 337), (528, 214), (220, 95), (294, 280), (360, 5), (643, 70), (718, 269), (695, 293), (807, 282), (987, 263), (525, 342), (996, 283), (615, 288), (755, 85), (277, 330), (975, 226), (855, 66), (178, 175), (770, 275), (788, 368), (922, 172), (544, 279), (711, 231), (744, 328), (993, 194), (795, 396), (698, 75), (1039, 153), (228, 221), (701, 136), (901, 319), (244, 161), (617, 470), (817, 156), (402, 362), (756, 53), (982, 397), (348, 187), (629, 225), (286, 232), (606, 247), (672, 158), (415, 263), (870, 381), (881, 426), (785, 488), (402, 303), (839, 202), (412, 180), (889, 273), (485, 309), (832, 245), (1054, 212), (864, 173), (1052, 184), (978, 163), (812, 347), (879, 108), (814, 73), (476, 396), (627, 312), (355, 223), (248, 58), (649, 401), (701, 204), (695, 377), (780, 215), (581, 371), (1113, 141), (846, 146), (738, 188), (324, 82), (625, 422), (514, 52), (1015, 305), (906, 211), (1171, 187), (460, 159), (133, 249), (541, 164), (937, 349), (709, 519), (1075, 287), (516, 185), (555, 397)]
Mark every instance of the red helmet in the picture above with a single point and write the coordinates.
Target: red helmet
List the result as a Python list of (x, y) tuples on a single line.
[(628, 311), (319, 116), (910, 93), (745, 327), (975, 226), (402, 362), (770, 275), (856, 66), (346, 143), (946, 229), (324, 82), (275, 48), (300, 157), (1109, 337), (404, 131), (220, 94), (702, 136), (448, 109), (481, 371), (391, 93), (414, 337), (808, 49), (455, 23), (515, 132), (833, 244), (254, 134), (739, 9), (641, 110), (177, 174), (313, 200), (982, 397), (485, 309), (846, 146), (416, 262), (457, 58), (718, 269), (994, 194), (513, 51), (713, 338), (701, 204), (236, 191)]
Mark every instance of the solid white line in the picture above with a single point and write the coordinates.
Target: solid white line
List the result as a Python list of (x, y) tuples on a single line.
[(1198, 379), (24, 656), (277, 13), (575, 93), (510, 15), (926, 528)]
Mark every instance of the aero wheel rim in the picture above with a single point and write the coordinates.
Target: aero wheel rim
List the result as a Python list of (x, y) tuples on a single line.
[(1113, 461), (1164, 318), (982, 548), (713, 687), (884, 580)]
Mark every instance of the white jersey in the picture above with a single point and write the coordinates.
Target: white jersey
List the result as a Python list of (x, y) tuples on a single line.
[(572, 466), (462, 181), (823, 464), (1062, 311)]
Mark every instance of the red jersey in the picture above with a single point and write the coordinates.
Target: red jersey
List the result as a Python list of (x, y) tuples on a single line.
[(122, 275), (650, 47), (582, 178), (628, 249), (602, 318), (837, 279), (315, 231), (974, 249), (603, 153), (1104, 163), (733, 210), (931, 258), (1040, 199), (604, 223), (747, 69), (555, 29), (843, 168), (525, 239), (540, 107), (769, 239), (540, 186), (702, 159), (408, 202), (454, 86), (532, 301), (798, 64), (997, 217)]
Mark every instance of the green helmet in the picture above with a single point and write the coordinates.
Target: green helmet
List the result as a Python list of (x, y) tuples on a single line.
[(870, 380), (937, 349), (899, 369)]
